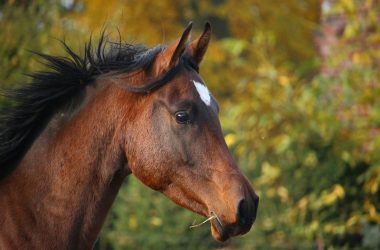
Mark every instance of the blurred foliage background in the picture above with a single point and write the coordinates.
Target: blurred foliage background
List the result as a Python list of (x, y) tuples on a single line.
[(299, 86)]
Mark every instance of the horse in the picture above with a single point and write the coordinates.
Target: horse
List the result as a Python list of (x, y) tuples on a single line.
[(75, 131)]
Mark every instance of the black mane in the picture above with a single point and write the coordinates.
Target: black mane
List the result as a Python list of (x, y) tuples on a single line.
[(32, 105)]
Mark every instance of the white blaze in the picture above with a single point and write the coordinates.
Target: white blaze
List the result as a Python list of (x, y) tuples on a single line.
[(203, 92)]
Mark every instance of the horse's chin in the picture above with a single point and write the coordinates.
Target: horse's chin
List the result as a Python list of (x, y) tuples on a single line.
[(218, 232)]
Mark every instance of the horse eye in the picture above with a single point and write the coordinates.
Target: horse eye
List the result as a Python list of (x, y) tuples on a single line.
[(182, 117)]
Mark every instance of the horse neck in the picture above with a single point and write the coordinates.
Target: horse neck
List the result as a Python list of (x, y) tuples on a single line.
[(62, 189)]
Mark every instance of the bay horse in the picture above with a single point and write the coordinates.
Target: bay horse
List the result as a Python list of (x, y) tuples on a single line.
[(70, 137)]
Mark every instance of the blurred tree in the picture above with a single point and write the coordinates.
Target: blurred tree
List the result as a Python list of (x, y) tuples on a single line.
[(24, 26), (316, 144)]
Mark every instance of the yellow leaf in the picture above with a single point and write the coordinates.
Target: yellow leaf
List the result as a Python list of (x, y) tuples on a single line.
[(303, 203), (372, 212), (156, 221), (283, 194), (336, 193), (269, 173), (230, 139), (283, 80), (352, 220), (372, 186), (310, 160), (348, 5), (339, 191), (132, 222)]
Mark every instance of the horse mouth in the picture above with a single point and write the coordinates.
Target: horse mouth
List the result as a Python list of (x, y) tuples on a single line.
[(218, 232)]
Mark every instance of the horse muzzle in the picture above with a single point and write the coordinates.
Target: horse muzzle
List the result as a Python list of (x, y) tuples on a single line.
[(223, 228)]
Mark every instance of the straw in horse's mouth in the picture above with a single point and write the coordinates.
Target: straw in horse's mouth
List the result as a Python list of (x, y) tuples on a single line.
[(213, 216), (219, 224), (203, 222)]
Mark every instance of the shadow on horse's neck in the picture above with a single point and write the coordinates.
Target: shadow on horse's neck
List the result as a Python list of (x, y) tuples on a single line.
[(80, 159)]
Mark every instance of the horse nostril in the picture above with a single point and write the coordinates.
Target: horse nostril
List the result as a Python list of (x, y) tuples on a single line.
[(246, 213), (256, 205), (242, 213)]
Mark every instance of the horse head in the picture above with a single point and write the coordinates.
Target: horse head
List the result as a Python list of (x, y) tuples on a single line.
[(180, 149)]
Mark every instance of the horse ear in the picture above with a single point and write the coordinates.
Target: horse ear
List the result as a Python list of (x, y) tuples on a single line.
[(198, 47), (181, 45), (172, 54)]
